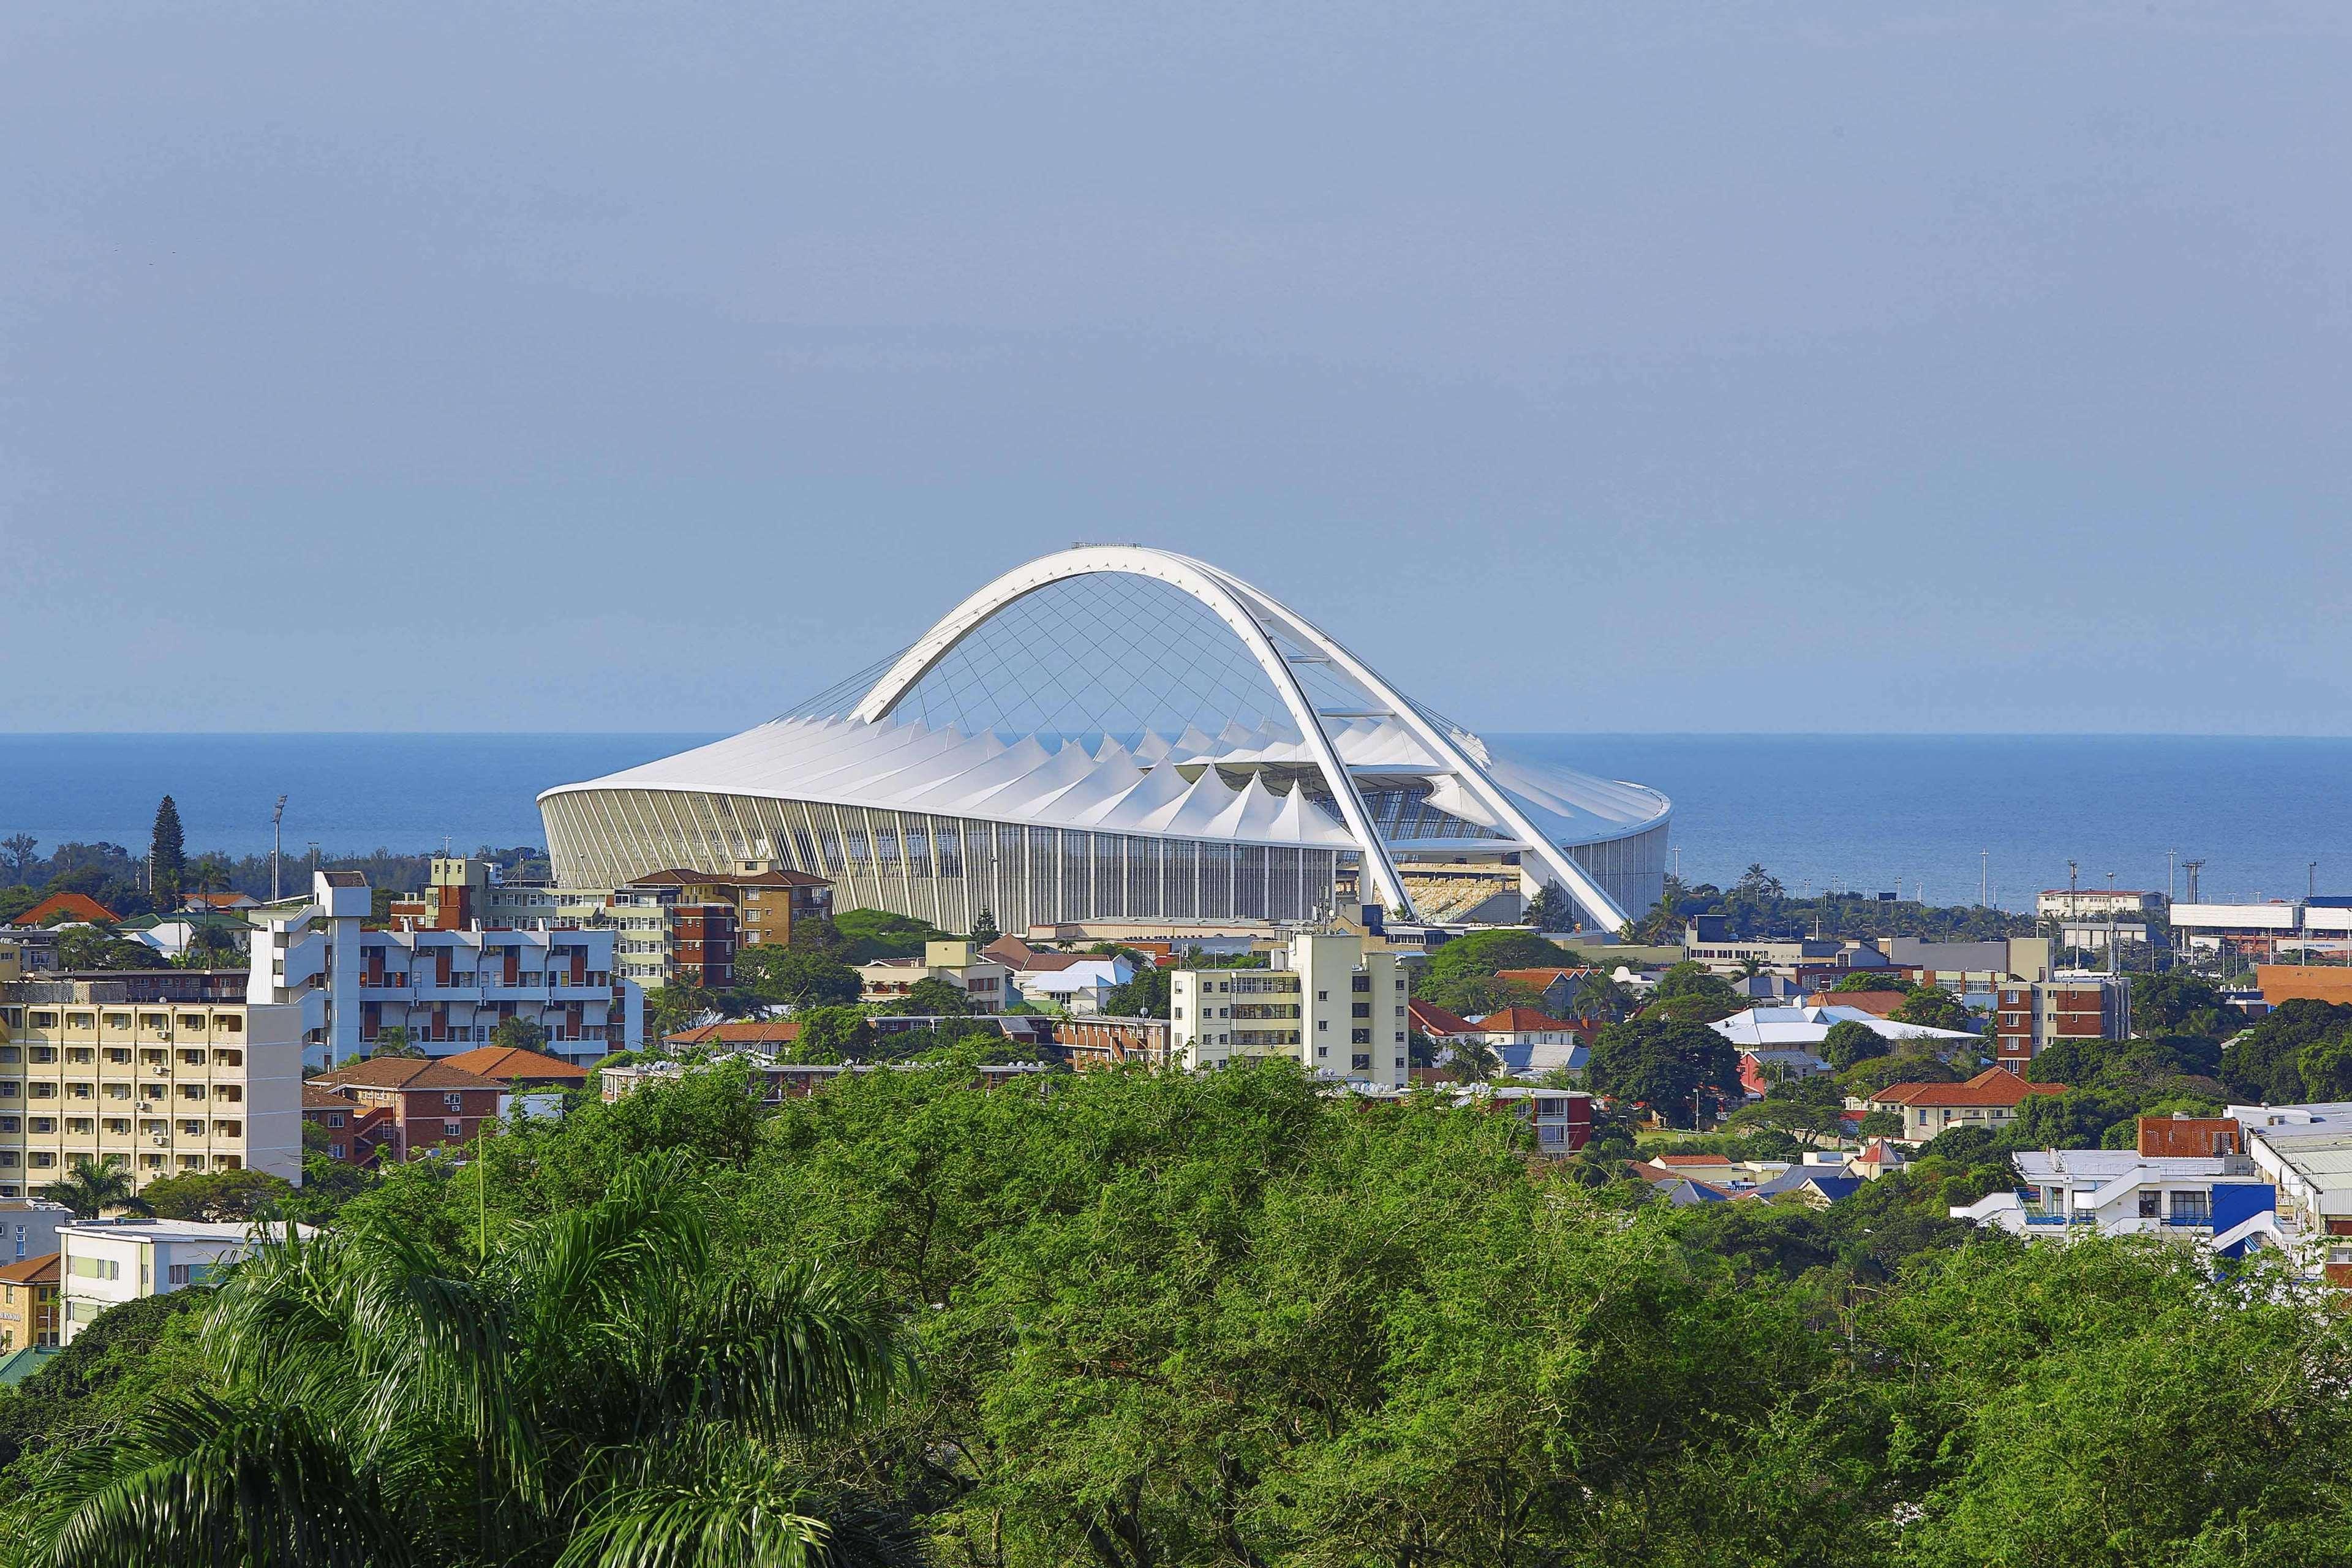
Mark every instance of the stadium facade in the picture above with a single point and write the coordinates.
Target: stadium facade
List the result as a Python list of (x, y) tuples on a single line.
[(1115, 734)]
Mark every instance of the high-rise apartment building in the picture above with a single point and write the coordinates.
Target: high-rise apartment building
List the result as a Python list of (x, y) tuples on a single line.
[(448, 985), (158, 1069), (1332, 1001)]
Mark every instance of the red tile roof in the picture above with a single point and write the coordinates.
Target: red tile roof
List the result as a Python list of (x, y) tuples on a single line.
[(402, 1072), (1691, 1159), (505, 1063), (1992, 1087), (1431, 1019), (1522, 1021), (317, 1099), (73, 906)]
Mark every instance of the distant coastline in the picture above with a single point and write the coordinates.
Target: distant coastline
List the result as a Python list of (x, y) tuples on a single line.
[(1849, 811)]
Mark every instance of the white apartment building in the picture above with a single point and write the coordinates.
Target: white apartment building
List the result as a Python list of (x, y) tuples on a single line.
[(2223, 1200), (1332, 1002), (149, 1070), (106, 1262), (448, 988), (2092, 904)]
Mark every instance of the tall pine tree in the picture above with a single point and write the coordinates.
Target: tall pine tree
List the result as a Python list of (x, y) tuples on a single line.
[(169, 854)]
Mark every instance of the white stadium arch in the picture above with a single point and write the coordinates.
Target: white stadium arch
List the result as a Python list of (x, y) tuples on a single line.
[(1048, 761)]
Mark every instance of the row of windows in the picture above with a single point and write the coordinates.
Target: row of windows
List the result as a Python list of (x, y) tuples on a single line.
[(190, 1023), (151, 1056)]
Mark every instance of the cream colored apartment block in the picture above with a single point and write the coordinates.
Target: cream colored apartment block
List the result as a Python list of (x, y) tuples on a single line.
[(167, 1088), (1331, 1001)]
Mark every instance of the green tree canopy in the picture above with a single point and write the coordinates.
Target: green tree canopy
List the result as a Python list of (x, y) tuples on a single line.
[(1851, 1041), (1663, 1065), (219, 1196), (1480, 954), (1932, 1008), (934, 997), (2178, 1002), (2263, 1065), (833, 1035), (796, 976), (1871, 980)]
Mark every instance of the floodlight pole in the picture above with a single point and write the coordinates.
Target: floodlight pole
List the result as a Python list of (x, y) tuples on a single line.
[(277, 845)]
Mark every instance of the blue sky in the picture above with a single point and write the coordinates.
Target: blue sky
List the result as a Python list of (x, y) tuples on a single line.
[(1643, 367)]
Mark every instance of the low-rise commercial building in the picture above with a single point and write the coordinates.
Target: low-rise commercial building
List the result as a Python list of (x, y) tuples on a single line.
[(2285, 982), (2094, 903), (149, 1068), (29, 1301), (959, 964), (2030, 1019), (1335, 1002), (1100, 1040), (106, 1262)]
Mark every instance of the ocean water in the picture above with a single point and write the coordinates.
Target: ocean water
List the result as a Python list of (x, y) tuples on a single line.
[(1926, 812)]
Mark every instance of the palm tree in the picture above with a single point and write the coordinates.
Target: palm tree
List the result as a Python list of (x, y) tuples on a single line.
[(91, 1187), (592, 1388), (1599, 997), (1475, 1060)]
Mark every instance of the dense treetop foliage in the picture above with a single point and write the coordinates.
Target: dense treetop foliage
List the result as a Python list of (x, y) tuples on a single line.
[(1217, 1319)]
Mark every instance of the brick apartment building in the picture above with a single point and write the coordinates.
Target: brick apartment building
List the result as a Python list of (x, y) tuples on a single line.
[(432, 1104), (2028, 1019)]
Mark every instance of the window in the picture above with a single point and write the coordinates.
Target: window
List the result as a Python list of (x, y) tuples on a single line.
[(1361, 1010), (98, 1268), (1322, 1025), (453, 1130), (453, 1102), (2150, 1202), (1322, 1050), (1359, 1037), (187, 1273), (1362, 982), (1361, 1062), (334, 1151)]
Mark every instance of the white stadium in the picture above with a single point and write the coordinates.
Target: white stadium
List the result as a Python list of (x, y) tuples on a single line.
[(1115, 735)]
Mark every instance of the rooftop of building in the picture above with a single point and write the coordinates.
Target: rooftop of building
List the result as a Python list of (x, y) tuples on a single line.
[(1431, 1019), (41, 1269), (315, 1098), (1995, 1086), (739, 1032), (2104, 1166), (66, 905), (1522, 1021), (681, 877), (504, 1064), (142, 1228), (404, 1073)]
